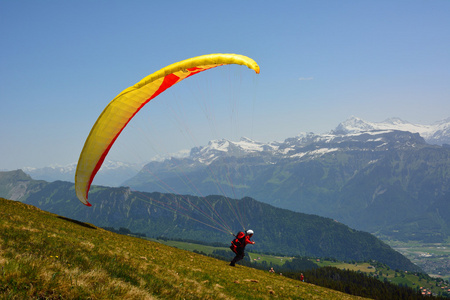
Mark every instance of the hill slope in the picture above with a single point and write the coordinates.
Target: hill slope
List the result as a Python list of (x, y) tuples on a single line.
[(278, 230), (43, 255)]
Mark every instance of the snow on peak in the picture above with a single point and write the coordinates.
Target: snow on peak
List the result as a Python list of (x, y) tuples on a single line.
[(244, 145), (395, 121), (222, 148), (437, 133), (250, 145), (353, 125), (70, 168), (180, 154)]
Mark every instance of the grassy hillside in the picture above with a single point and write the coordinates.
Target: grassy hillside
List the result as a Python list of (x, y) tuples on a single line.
[(43, 255), (415, 281)]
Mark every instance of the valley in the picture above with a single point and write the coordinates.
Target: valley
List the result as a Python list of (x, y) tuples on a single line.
[(433, 258)]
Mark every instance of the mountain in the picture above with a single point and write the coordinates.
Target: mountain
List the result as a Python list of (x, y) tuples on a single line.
[(18, 185), (196, 218), (437, 133), (381, 180), (110, 174), (116, 173)]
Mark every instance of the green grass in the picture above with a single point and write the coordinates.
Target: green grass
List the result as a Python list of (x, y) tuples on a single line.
[(191, 246), (361, 267), (46, 256), (270, 259)]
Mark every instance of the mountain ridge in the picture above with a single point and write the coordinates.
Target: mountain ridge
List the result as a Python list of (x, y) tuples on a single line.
[(116, 173), (437, 133)]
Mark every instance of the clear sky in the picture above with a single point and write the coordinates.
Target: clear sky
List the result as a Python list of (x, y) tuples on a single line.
[(62, 62)]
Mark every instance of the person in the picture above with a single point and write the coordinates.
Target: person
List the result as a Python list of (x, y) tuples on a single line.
[(239, 250), (271, 270), (302, 278)]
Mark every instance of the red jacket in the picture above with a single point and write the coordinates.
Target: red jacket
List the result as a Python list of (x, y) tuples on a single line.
[(235, 247), (248, 241)]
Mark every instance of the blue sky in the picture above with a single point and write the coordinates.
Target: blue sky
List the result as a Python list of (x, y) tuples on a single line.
[(61, 62)]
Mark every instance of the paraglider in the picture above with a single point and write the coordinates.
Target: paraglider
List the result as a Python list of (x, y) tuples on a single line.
[(127, 104), (238, 245)]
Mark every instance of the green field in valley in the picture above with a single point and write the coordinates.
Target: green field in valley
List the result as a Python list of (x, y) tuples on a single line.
[(433, 258)]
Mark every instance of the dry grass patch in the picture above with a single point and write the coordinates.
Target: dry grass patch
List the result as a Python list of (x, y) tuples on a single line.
[(29, 229)]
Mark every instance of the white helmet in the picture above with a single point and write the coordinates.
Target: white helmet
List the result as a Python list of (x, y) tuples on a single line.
[(249, 232)]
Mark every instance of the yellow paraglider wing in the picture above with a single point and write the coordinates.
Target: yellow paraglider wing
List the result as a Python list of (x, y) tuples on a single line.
[(124, 106)]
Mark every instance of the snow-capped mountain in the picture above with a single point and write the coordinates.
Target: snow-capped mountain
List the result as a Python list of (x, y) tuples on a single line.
[(351, 134), (302, 147), (437, 133), (221, 148), (349, 138)]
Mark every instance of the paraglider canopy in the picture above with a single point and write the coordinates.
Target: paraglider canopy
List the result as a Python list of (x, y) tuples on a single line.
[(127, 104)]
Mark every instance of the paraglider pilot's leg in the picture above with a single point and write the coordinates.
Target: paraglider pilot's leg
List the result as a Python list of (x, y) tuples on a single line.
[(239, 256)]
